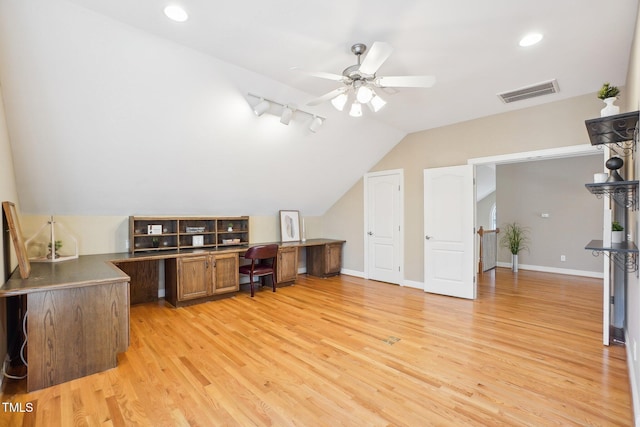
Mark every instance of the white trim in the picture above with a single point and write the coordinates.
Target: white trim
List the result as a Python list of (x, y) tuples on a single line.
[(632, 379), (544, 269), (549, 153), (400, 173), (413, 284), (353, 273)]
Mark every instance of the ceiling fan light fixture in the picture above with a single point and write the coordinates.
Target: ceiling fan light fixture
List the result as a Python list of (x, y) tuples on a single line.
[(315, 124), (364, 94), (356, 109), (376, 103), (261, 107), (287, 114), (340, 101)]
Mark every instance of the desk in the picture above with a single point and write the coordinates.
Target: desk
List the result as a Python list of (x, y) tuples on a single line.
[(324, 258), (77, 318), (78, 310)]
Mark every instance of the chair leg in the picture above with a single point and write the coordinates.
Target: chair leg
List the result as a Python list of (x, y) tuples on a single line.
[(251, 283), (273, 280)]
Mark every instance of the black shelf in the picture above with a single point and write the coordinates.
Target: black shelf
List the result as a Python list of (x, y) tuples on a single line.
[(625, 193), (624, 255), (615, 129)]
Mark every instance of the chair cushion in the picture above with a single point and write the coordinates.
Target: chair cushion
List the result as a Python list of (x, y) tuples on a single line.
[(259, 270)]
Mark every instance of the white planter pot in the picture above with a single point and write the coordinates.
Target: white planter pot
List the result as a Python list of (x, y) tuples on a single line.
[(617, 236), (514, 263), (610, 109)]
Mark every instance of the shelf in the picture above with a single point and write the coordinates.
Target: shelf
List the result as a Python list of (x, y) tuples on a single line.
[(624, 255), (175, 235), (619, 130), (625, 193)]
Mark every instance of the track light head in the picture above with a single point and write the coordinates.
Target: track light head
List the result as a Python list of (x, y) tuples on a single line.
[(286, 115), (315, 124), (261, 107)]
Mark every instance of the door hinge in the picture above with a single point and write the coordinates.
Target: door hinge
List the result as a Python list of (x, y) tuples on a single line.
[(398, 187), (612, 299)]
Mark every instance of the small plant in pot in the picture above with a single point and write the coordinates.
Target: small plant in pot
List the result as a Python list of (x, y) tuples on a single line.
[(516, 239), (609, 94), (56, 247), (608, 91), (617, 232)]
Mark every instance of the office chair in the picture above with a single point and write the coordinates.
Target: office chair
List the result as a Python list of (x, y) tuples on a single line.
[(263, 263)]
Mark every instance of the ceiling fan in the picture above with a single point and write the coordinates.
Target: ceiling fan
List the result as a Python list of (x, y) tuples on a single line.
[(361, 80)]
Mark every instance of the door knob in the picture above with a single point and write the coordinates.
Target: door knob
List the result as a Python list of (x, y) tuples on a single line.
[(370, 233), (427, 237)]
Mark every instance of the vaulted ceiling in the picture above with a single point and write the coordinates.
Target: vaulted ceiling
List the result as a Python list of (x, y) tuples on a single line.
[(114, 109)]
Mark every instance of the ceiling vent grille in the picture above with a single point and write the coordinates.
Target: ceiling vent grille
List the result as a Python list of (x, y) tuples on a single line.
[(540, 89)]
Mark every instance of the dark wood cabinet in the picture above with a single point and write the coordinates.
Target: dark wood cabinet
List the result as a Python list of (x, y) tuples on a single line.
[(324, 260), (225, 276), (196, 277), (287, 265)]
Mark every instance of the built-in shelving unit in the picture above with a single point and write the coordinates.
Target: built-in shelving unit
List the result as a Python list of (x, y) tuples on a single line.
[(175, 233), (625, 193), (624, 255), (618, 132)]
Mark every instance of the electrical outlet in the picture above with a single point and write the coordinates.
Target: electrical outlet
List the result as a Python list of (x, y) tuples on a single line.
[(563, 258)]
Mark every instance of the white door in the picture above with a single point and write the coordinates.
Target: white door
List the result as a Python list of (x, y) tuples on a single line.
[(449, 217), (383, 217)]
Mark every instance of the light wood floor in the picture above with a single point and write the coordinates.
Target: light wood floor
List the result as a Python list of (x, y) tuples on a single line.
[(346, 351)]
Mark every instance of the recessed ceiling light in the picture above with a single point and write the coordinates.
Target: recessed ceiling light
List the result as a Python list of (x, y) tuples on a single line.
[(176, 13), (530, 39)]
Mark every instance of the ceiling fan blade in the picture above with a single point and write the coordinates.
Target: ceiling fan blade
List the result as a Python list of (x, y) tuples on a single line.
[(378, 53), (405, 81), (322, 74), (328, 96)]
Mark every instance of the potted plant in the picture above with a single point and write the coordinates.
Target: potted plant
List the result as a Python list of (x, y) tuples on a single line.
[(56, 247), (230, 227), (617, 231), (516, 239), (609, 94)]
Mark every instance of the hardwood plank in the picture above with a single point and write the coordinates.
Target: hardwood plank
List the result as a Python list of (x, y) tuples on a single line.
[(348, 351)]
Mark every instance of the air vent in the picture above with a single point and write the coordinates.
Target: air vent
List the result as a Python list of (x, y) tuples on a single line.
[(540, 89)]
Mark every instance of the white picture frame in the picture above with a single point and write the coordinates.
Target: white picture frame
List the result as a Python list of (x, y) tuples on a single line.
[(197, 240), (289, 226)]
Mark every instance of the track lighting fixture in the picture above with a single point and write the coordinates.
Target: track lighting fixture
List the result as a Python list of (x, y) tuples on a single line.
[(288, 112), (315, 124), (261, 107)]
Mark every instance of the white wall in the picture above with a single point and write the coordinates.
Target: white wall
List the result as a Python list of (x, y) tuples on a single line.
[(555, 187)]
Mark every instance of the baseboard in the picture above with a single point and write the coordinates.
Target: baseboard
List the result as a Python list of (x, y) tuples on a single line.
[(635, 398), (544, 269), (354, 273), (413, 284)]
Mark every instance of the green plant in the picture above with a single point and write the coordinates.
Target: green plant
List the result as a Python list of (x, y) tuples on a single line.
[(608, 91), (615, 226), (57, 245), (515, 238)]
